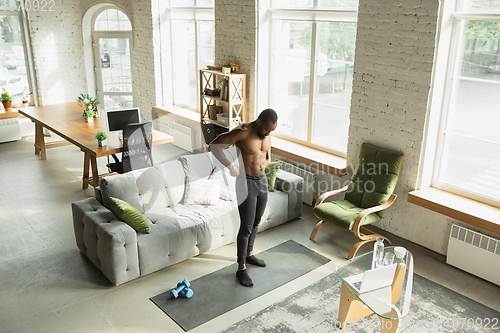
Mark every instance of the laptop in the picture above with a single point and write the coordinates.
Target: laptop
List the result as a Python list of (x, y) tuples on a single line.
[(372, 279)]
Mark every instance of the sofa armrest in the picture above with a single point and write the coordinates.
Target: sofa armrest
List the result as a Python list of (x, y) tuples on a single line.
[(98, 194), (293, 185), (108, 242)]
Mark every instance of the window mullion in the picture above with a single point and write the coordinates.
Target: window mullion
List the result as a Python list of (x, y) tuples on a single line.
[(312, 79), (197, 60)]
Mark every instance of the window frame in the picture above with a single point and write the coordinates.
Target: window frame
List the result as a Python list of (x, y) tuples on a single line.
[(28, 59), (167, 15), (96, 35), (449, 39), (315, 15)]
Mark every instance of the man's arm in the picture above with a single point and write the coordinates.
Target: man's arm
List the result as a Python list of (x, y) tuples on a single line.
[(268, 157), (223, 141)]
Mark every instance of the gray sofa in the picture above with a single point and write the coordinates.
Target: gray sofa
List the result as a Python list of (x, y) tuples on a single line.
[(177, 231)]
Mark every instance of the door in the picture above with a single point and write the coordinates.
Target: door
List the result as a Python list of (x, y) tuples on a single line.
[(113, 70)]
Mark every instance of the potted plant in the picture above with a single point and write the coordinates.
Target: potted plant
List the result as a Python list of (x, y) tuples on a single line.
[(88, 103), (6, 101), (26, 98), (101, 138), (89, 115)]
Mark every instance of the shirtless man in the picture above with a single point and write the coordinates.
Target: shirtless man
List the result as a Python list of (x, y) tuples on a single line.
[(254, 143)]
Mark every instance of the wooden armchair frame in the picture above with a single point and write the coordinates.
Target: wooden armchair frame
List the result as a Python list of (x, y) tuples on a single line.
[(363, 238)]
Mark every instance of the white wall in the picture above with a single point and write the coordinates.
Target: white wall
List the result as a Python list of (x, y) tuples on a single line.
[(58, 52), (57, 46), (236, 40)]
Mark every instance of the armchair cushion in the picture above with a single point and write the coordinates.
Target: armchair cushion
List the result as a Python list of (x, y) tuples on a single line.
[(375, 177), (343, 213)]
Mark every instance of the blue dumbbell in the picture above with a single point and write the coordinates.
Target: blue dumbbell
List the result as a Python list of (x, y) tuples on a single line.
[(183, 285)]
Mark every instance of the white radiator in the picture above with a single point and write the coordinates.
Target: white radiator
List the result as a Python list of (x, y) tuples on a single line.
[(309, 178), (182, 135), (475, 253), (9, 129)]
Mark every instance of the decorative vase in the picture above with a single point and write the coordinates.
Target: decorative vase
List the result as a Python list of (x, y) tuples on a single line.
[(226, 70), (90, 119), (7, 106), (101, 143)]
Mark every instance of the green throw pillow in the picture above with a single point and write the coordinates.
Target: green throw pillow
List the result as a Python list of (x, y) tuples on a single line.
[(130, 215), (271, 173)]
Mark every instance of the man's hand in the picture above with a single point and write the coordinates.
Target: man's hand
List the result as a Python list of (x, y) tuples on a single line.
[(233, 171)]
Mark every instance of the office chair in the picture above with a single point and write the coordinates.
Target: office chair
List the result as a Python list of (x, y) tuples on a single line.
[(137, 143), (367, 196)]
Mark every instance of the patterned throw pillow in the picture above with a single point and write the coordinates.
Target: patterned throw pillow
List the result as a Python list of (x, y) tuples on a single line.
[(129, 214), (202, 191), (227, 183)]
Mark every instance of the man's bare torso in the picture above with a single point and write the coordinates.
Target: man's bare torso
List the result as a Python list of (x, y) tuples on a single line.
[(254, 151)]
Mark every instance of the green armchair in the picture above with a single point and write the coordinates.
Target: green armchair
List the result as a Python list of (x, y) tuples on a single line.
[(367, 195)]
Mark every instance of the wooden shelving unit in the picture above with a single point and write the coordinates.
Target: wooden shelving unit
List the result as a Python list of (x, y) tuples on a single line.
[(234, 106)]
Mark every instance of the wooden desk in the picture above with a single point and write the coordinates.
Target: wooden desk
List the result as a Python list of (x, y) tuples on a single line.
[(66, 120), (4, 115)]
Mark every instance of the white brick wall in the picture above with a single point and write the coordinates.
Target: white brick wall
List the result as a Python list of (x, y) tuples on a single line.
[(392, 74), (57, 46), (143, 71), (236, 39), (57, 43)]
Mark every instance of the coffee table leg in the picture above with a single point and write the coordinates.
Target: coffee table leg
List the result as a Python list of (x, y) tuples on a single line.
[(86, 167), (351, 309), (390, 325)]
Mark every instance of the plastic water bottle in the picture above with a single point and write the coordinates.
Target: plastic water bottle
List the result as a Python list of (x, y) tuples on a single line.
[(378, 253)]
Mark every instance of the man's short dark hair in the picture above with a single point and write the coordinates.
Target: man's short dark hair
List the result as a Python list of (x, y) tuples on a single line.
[(268, 115)]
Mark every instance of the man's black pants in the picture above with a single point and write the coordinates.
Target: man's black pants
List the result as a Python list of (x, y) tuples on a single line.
[(251, 192)]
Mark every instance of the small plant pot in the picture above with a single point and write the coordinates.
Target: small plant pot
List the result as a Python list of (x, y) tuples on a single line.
[(7, 106), (25, 104), (101, 143), (226, 70), (90, 119)]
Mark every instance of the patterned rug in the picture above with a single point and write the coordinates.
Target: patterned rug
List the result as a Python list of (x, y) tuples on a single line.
[(434, 308)]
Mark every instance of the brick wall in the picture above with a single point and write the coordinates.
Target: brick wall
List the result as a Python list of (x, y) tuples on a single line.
[(392, 75), (57, 47), (236, 39), (58, 52)]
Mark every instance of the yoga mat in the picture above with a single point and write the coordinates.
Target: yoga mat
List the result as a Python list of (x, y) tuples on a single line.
[(220, 291)]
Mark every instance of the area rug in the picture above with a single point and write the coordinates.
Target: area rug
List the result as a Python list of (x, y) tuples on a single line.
[(220, 291), (434, 308)]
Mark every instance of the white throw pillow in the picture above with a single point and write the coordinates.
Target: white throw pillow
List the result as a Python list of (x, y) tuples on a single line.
[(227, 183), (202, 191)]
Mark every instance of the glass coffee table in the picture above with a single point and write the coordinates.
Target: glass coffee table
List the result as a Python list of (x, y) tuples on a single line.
[(381, 289)]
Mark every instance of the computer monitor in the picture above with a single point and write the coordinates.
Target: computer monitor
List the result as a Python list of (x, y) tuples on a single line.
[(116, 120)]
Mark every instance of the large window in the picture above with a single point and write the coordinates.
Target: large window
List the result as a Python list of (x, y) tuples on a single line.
[(189, 45), (468, 155), (312, 55), (13, 55), (112, 34)]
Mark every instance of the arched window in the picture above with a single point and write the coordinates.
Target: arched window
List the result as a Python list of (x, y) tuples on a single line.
[(112, 20), (112, 35)]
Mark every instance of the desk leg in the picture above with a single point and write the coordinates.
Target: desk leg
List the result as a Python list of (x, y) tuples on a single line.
[(95, 171), (40, 141), (86, 167), (351, 309)]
